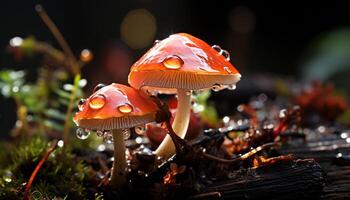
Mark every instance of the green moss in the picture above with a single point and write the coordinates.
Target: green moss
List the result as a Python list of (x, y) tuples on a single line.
[(61, 176)]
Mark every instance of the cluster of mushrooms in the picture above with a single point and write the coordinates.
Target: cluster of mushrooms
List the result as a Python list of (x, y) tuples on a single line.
[(177, 65)]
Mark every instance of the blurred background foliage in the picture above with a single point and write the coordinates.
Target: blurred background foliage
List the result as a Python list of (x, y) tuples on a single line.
[(268, 42)]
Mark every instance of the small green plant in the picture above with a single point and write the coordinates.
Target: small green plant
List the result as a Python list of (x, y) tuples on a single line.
[(61, 174)]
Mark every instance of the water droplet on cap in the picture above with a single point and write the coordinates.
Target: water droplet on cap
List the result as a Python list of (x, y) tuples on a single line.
[(226, 54), (82, 134), (99, 86), (97, 101), (173, 62), (216, 48), (126, 108), (81, 104), (156, 42), (152, 92)]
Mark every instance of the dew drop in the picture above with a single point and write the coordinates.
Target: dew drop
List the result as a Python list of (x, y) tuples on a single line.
[(226, 54), (60, 143), (160, 158), (99, 86), (101, 147), (126, 133), (97, 101), (82, 134), (141, 173), (217, 87), (269, 126), (283, 113), (139, 140), (227, 69), (140, 130), (107, 137), (99, 175), (81, 104), (173, 62), (152, 92), (188, 93), (99, 133), (231, 87), (8, 176), (126, 108), (156, 42), (216, 48)]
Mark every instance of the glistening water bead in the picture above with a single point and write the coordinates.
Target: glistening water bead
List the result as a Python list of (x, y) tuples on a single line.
[(126, 108), (108, 138), (81, 104), (7, 176), (217, 87), (99, 86), (231, 87), (99, 133), (82, 133), (140, 130), (226, 54), (97, 102), (217, 48), (173, 62), (126, 133)]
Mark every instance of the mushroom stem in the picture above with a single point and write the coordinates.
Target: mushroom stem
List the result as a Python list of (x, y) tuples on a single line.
[(119, 163), (182, 118)]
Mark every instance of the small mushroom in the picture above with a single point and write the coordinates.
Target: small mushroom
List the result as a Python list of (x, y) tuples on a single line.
[(116, 107), (177, 65)]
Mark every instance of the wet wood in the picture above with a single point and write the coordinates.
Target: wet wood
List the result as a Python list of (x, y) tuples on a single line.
[(325, 151), (298, 179), (328, 177)]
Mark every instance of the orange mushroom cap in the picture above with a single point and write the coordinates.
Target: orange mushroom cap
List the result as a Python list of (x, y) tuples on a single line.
[(115, 106), (185, 62)]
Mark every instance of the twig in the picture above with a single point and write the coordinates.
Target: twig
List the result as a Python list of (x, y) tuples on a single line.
[(243, 157), (37, 168), (75, 67), (59, 37), (181, 143)]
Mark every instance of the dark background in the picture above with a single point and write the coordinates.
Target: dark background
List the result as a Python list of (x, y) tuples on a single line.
[(262, 38)]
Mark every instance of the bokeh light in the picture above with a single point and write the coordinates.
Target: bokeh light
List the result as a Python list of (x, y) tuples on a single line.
[(138, 28), (86, 55), (16, 41)]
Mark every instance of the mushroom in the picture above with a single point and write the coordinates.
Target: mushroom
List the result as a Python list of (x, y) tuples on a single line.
[(178, 65), (114, 108)]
